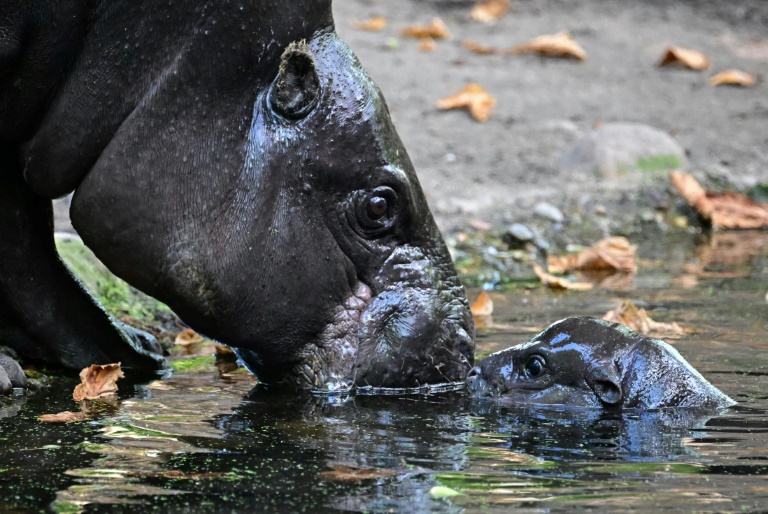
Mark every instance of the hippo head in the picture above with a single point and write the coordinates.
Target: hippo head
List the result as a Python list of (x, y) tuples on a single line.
[(258, 187), (587, 362)]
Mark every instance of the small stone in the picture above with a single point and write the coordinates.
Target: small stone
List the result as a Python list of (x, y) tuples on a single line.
[(616, 149), (518, 235), (479, 225), (549, 212)]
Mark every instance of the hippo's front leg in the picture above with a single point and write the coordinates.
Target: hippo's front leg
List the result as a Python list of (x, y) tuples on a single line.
[(45, 314)]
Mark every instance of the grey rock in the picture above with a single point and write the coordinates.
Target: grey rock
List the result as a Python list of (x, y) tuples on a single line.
[(518, 235), (614, 149), (548, 212)]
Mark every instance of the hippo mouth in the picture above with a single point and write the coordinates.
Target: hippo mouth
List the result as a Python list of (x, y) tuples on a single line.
[(388, 344)]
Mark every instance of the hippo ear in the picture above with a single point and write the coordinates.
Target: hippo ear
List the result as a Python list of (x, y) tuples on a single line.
[(603, 377), (297, 88)]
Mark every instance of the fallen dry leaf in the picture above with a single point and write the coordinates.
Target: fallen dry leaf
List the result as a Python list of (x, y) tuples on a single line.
[(436, 29), (609, 254), (375, 24), (558, 282), (222, 350), (64, 417), (685, 57), (478, 48), (427, 44), (483, 306), (561, 45), (472, 97), (482, 311), (733, 78), (637, 319), (489, 10), (346, 473), (97, 381), (188, 336), (729, 210)]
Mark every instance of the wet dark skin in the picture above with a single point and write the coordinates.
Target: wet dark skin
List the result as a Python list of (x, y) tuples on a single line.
[(233, 160), (587, 362)]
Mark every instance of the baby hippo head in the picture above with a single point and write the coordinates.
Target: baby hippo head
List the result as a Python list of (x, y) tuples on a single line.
[(587, 362)]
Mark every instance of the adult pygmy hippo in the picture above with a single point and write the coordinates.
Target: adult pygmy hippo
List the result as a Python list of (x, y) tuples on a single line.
[(233, 160), (588, 362)]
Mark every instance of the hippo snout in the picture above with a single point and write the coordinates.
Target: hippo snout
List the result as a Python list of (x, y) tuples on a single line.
[(476, 384)]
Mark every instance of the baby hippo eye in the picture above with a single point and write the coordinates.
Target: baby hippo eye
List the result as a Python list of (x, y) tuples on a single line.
[(377, 207), (534, 366)]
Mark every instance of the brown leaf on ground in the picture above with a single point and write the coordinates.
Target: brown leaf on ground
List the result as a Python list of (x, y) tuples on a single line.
[(97, 381), (637, 319), (427, 44), (478, 48), (560, 45), (559, 282), (436, 29), (346, 473), (732, 78), (482, 312), (472, 97), (375, 24), (729, 210), (483, 306), (64, 417), (222, 350), (685, 57), (188, 336), (609, 254), (489, 10)]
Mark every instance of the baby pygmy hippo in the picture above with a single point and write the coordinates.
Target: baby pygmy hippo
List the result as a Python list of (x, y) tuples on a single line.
[(588, 362)]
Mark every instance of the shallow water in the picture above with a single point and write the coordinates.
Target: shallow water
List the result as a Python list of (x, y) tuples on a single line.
[(208, 443)]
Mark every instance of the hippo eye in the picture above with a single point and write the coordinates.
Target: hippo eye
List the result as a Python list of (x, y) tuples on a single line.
[(534, 366), (376, 210), (377, 207)]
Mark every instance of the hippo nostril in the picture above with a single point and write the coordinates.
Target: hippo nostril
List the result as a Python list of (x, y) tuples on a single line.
[(473, 374)]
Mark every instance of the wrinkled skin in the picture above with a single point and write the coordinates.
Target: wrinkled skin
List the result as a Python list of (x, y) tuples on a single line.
[(233, 160), (587, 362)]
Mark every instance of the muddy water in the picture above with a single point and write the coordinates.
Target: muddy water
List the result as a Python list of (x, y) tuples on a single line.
[(204, 442)]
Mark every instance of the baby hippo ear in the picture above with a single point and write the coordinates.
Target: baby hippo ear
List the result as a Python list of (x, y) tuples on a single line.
[(603, 377), (297, 88)]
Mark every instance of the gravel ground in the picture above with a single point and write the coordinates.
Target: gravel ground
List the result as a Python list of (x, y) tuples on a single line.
[(497, 171)]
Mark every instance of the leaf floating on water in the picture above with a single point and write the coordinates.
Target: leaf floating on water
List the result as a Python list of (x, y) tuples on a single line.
[(347, 473), (98, 381), (489, 10), (560, 45), (729, 210), (440, 491), (375, 24), (478, 48), (609, 254), (64, 417), (436, 29), (638, 319), (733, 78), (473, 97), (559, 282), (684, 57), (483, 306)]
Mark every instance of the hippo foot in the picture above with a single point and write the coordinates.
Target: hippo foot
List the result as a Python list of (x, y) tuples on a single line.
[(11, 375), (146, 346)]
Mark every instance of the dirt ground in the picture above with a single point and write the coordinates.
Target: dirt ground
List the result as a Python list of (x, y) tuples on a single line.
[(496, 171)]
